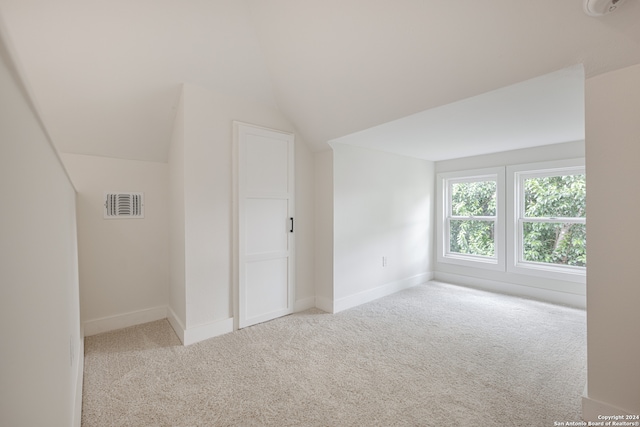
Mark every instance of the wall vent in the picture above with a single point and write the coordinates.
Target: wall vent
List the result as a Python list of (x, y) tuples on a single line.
[(123, 205)]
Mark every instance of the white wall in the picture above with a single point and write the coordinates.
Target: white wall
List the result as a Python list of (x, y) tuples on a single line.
[(41, 354), (558, 291), (124, 263), (383, 207), (323, 193), (613, 291), (305, 225), (204, 155), (177, 279)]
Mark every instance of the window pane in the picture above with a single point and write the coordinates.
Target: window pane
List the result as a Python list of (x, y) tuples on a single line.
[(555, 243), (555, 196), (472, 237), (473, 198)]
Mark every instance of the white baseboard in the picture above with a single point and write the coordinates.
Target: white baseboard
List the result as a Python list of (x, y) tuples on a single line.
[(198, 333), (324, 304), (208, 330), (77, 409), (119, 321), (176, 324), (379, 292), (187, 336), (304, 304), (547, 295), (591, 409)]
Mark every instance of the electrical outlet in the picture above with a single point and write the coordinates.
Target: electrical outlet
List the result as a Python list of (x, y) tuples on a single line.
[(384, 261)]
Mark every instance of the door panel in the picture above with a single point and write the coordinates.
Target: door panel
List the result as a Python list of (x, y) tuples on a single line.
[(265, 222), (266, 165), (265, 243), (265, 297)]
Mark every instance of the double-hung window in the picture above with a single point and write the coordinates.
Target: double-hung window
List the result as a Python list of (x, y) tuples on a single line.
[(549, 220), (471, 218), (525, 219)]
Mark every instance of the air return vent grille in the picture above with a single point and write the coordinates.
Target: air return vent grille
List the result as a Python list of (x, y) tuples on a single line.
[(123, 205)]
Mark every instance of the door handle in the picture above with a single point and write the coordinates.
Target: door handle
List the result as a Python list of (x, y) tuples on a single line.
[(291, 230)]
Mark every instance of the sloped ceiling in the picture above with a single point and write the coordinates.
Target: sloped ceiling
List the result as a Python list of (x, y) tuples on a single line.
[(106, 74), (544, 110)]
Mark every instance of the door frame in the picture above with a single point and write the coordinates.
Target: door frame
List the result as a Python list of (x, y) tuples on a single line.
[(235, 199)]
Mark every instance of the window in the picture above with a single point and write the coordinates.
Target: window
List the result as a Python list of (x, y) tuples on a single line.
[(549, 222), (471, 225), (526, 219)]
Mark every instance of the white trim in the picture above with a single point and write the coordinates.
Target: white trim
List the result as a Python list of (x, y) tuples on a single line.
[(208, 330), (235, 224), (304, 304), (198, 333), (592, 408), (119, 321), (515, 174), (546, 295), (379, 292), (497, 262), (176, 324), (77, 409), (324, 304)]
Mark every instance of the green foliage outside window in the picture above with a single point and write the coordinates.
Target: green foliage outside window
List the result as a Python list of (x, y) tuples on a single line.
[(559, 242), (553, 242), (473, 236)]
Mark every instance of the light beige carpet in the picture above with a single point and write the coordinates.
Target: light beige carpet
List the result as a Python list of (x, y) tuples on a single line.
[(433, 355)]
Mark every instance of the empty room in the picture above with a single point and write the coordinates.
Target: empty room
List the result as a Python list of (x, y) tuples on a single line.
[(284, 212)]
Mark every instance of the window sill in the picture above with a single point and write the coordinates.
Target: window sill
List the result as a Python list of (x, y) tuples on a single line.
[(568, 274), (472, 261)]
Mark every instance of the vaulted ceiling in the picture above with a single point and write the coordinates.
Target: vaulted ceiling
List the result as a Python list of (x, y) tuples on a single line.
[(106, 74)]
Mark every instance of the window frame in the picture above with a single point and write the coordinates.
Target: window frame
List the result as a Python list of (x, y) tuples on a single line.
[(444, 217), (517, 174)]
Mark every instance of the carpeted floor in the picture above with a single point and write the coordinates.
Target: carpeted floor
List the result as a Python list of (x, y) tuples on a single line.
[(433, 355)]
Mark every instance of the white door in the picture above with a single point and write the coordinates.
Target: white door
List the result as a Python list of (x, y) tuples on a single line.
[(265, 218)]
